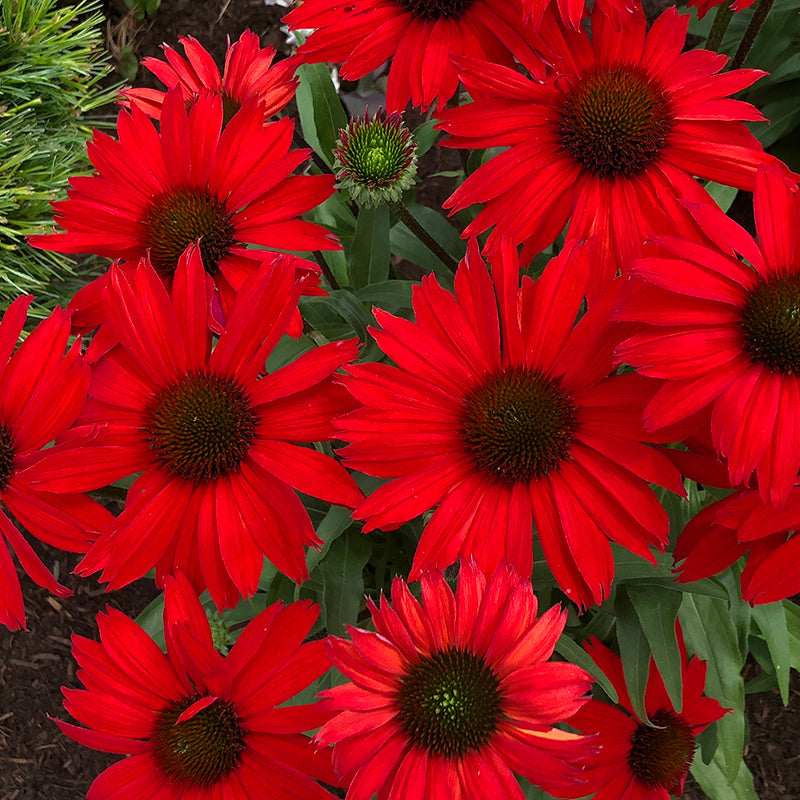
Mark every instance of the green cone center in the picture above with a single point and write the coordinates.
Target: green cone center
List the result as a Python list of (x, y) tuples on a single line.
[(518, 425), (182, 217), (771, 324), (450, 703), (615, 121), (7, 454), (660, 756), (202, 749), (201, 427), (431, 10)]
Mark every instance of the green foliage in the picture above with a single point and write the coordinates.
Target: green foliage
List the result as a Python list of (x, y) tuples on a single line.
[(51, 65), (143, 8)]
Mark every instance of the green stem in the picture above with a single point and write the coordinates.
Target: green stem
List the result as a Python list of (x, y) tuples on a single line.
[(753, 29), (326, 270), (721, 20), (405, 216), (300, 142)]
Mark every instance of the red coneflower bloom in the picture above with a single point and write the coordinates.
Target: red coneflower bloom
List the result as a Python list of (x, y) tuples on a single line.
[(501, 411), (42, 390), (570, 11), (634, 760), (196, 724), (742, 524), (704, 6), (419, 36), (609, 142), (727, 334), (452, 695), (248, 74), (157, 193), (213, 440)]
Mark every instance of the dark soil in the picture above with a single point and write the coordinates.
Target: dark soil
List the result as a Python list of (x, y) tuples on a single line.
[(36, 761)]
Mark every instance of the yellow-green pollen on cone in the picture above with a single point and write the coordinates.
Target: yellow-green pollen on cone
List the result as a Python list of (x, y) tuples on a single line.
[(661, 753), (202, 749), (771, 324), (375, 159), (449, 703)]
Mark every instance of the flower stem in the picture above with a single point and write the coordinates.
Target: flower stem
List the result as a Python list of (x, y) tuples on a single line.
[(721, 20), (405, 216), (753, 29), (326, 270)]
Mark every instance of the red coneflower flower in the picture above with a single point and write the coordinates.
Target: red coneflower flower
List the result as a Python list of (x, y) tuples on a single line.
[(742, 524), (501, 411), (157, 193), (570, 11), (452, 695), (727, 334), (704, 6), (42, 390), (194, 724), (635, 760), (248, 74), (609, 142), (419, 36), (213, 440)]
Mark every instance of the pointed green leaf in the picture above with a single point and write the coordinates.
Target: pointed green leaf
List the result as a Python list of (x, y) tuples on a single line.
[(321, 113), (340, 574), (657, 610), (709, 630), (633, 650), (370, 253), (771, 620), (575, 654), (713, 779)]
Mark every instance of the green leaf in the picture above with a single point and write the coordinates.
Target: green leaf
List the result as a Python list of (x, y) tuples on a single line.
[(321, 113), (151, 620), (633, 650), (657, 609), (713, 779), (425, 136), (575, 654), (628, 566), (340, 574), (709, 630), (771, 620), (333, 525), (406, 245), (793, 626), (391, 296), (370, 252), (723, 196)]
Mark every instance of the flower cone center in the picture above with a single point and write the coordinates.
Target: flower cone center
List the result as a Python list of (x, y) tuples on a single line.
[(7, 454), (201, 427), (771, 324), (431, 10), (615, 121), (181, 217), (660, 757), (202, 749), (518, 425), (450, 703), (376, 159)]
